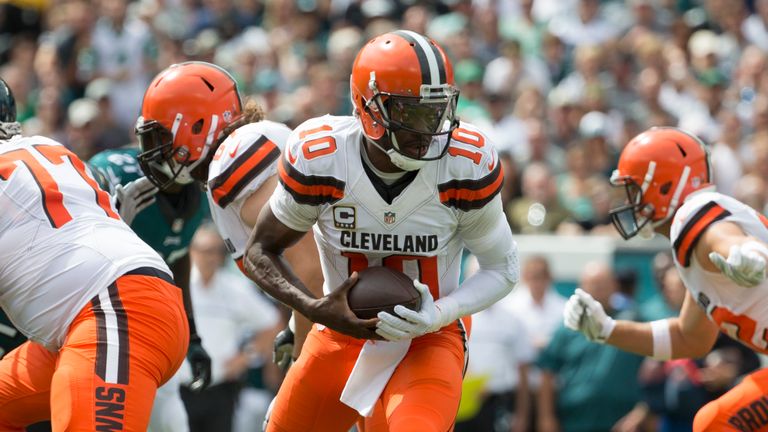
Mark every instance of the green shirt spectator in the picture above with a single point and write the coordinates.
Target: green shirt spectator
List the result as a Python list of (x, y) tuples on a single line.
[(597, 384)]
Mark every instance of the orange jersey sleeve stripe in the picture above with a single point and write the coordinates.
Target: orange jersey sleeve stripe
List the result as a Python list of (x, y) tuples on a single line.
[(472, 194), (311, 190), (241, 265), (696, 226), (258, 157)]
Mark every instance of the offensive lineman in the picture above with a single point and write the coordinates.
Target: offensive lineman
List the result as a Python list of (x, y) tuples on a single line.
[(166, 220), (719, 248), (403, 184), (105, 322)]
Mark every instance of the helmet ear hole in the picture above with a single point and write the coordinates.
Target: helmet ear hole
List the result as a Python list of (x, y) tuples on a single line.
[(198, 127), (665, 188)]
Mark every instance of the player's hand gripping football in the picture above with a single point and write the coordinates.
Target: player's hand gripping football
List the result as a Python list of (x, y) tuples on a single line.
[(586, 315), (200, 362), (745, 265), (134, 197), (410, 324), (333, 312)]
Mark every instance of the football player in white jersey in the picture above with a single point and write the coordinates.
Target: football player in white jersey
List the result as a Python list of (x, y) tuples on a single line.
[(401, 183), (106, 325), (720, 250), (194, 128)]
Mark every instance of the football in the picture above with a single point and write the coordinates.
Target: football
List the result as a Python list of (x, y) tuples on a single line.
[(381, 289)]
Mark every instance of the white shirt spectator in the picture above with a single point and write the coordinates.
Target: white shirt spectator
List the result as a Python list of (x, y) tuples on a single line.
[(510, 135), (726, 168), (755, 32), (120, 55), (574, 32), (499, 344), (539, 320), (227, 312)]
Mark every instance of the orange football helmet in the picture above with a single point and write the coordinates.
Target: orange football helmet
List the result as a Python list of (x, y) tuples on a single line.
[(403, 81), (184, 110), (659, 168)]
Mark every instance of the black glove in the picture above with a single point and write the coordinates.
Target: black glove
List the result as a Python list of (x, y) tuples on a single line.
[(200, 362), (282, 353)]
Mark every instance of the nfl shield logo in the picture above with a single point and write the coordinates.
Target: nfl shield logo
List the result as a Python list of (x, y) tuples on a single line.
[(389, 217)]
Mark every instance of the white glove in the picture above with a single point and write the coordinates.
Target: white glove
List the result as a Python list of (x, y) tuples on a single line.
[(412, 324), (586, 315), (745, 264), (134, 197)]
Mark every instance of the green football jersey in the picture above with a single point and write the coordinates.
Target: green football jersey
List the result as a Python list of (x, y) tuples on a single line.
[(10, 338), (170, 222)]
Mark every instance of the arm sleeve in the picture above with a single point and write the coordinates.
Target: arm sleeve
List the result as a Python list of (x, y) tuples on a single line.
[(487, 235)]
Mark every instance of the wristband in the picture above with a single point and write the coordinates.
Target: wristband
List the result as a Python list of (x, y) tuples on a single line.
[(447, 311), (608, 325), (662, 340)]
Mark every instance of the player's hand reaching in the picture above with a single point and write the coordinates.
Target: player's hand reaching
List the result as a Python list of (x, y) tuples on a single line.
[(745, 264), (584, 314), (200, 362), (134, 197), (333, 312), (410, 324)]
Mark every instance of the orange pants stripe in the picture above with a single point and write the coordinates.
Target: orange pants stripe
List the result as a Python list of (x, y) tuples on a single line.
[(422, 395), (124, 344), (743, 408)]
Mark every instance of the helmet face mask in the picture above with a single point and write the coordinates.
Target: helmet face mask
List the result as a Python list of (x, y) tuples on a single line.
[(163, 164), (632, 217), (417, 128)]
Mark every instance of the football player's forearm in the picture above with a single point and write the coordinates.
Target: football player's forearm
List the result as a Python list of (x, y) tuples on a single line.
[(272, 274), (634, 337)]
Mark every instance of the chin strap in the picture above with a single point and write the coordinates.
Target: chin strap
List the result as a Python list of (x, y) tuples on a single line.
[(403, 162)]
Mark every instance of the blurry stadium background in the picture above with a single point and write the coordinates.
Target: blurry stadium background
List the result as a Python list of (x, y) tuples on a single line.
[(559, 85)]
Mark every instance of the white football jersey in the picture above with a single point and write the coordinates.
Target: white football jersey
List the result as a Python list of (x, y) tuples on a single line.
[(323, 182), (242, 163), (741, 312), (61, 241)]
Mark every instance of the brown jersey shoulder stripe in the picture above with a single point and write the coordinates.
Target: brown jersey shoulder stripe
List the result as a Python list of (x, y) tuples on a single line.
[(258, 157), (471, 194), (312, 189), (694, 228)]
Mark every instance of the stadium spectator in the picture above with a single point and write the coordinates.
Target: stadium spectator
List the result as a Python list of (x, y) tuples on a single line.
[(121, 50), (578, 375), (501, 352), (538, 209), (235, 324), (538, 307)]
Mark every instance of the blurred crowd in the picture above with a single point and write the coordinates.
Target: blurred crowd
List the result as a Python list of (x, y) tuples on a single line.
[(558, 85)]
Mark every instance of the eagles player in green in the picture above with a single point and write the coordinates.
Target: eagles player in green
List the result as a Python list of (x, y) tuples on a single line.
[(166, 220)]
